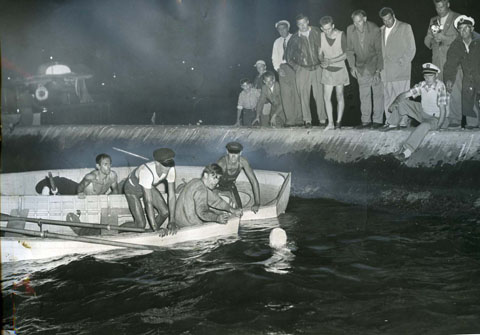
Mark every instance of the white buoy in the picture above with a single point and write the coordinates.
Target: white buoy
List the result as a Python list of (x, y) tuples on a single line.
[(278, 238)]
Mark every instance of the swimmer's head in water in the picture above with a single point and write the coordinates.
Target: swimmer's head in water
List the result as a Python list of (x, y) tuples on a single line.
[(278, 238)]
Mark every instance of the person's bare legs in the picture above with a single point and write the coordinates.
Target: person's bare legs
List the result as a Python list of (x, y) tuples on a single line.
[(340, 103), (327, 96)]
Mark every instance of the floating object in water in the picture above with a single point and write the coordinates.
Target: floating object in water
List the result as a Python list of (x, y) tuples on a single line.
[(278, 238)]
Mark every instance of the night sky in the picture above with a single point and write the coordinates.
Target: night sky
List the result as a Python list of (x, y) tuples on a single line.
[(182, 59)]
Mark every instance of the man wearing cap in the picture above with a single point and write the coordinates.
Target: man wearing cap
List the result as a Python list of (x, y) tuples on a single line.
[(286, 75), (303, 56), (398, 50), (364, 55), (441, 33), (261, 67), (232, 164), (198, 204), (247, 103), (465, 51), (430, 112), (142, 183)]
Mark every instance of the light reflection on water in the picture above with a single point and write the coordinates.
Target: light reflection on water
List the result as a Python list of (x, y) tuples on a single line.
[(346, 270)]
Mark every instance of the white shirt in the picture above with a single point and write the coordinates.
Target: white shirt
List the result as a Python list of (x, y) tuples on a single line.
[(443, 20), (389, 30), (277, 52), (148, 177)]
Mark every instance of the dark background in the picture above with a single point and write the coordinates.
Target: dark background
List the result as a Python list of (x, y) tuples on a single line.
[(182, 59)]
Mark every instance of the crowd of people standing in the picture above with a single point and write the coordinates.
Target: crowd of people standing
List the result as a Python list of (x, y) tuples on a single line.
[(320, 60)]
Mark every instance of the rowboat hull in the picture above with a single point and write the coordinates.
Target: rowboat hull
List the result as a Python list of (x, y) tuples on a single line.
[(21, 248), (20, 198)]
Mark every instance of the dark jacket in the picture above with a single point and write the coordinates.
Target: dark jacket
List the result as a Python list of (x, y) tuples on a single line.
[(470, 62), (275, 99), (303, 51)]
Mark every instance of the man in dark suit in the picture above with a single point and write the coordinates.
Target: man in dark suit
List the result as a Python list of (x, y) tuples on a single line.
[(441, 33), (364, 55), (270, 93)]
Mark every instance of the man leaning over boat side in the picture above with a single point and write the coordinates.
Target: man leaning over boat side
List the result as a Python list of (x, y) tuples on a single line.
[(198, 204), (101, 180), (232, 164), (142, 183)]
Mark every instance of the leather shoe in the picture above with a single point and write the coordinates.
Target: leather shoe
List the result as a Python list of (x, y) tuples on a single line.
[(377, 125), (339, 125), (388, 128), (308, 125), (363, 126)]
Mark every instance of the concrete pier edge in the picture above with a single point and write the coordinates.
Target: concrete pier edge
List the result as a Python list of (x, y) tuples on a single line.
[(350, 165)]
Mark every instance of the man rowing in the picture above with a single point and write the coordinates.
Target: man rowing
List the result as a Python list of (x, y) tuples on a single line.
[(101, 180), (198, 204), (142, 183), (232, 164)]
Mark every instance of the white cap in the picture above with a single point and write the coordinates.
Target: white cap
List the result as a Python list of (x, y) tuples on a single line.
[(430, 68), (260, 62), (282, 22), (463, 19)]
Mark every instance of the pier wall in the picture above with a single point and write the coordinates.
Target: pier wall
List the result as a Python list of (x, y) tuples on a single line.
[(350, 165)]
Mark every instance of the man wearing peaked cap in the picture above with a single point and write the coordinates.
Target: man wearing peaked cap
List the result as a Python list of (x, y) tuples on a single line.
[(164, 156), (232, 164), (234, 147), (430, 68), (142, 183), (440, 35), (430, 112), (463, 19), (465, 51), (286, 76)]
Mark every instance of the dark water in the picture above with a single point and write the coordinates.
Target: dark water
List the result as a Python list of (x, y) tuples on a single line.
[(349, 271)]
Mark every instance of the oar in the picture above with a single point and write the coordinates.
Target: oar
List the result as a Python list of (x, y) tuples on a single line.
[(130, 153), (46, 234), (6, 217)]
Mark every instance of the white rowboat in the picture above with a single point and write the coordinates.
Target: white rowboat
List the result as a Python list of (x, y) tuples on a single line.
[(20, 198)]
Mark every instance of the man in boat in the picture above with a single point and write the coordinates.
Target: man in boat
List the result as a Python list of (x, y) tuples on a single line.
[(232, 164), (101, 180), (198, 204), (142, 183)]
